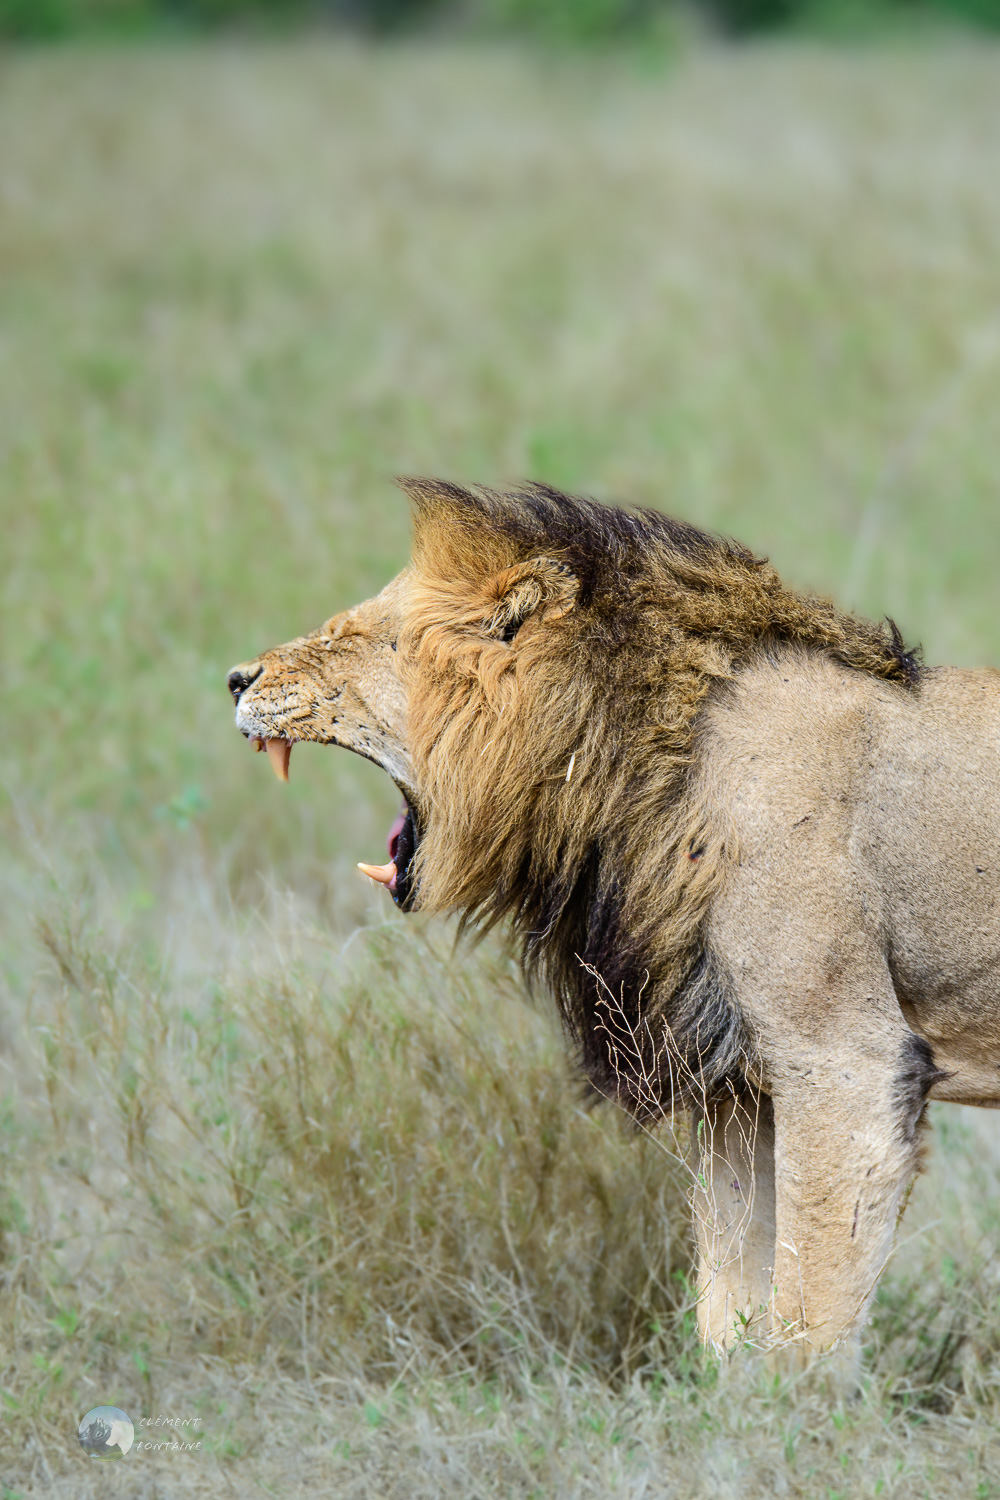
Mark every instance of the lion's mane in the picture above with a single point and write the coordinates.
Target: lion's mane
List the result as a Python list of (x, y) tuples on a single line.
[(559, 653)]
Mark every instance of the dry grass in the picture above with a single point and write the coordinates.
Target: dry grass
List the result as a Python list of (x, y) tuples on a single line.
[(342, 1201), (273, 1157)]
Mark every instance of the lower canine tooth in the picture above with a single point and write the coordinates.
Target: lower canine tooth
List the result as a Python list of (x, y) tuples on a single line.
[(279, 753), (384, 874)]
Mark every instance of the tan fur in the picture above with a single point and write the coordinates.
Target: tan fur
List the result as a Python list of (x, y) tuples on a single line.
[(711, 809)]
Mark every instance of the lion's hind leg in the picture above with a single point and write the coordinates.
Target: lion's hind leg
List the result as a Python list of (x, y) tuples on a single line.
[(733, 1200)]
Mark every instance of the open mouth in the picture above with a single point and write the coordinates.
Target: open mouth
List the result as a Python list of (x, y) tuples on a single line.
[(396, 876), (402, 842)]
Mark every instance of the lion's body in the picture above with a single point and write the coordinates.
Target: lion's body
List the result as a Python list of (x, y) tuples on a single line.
[(754, 852), (880, 816), (859, 916)]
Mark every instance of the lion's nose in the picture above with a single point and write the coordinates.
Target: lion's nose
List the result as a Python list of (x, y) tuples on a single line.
[(241, 677)]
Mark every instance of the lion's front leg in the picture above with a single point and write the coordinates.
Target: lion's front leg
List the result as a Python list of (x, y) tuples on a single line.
[(846, 1152), (733, 1200)]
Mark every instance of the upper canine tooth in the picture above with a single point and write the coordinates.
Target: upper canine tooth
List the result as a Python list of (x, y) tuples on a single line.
[(384, 874), (279, 753)]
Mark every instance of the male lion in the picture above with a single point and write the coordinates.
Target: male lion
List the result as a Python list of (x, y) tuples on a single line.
[(752, 847)]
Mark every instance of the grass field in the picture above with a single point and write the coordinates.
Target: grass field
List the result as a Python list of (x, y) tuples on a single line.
[(274, 1158)]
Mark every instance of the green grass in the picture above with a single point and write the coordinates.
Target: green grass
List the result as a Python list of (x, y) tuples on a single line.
[(274, 1157)]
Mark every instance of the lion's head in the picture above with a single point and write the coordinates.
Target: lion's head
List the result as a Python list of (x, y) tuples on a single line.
[(532, 684)]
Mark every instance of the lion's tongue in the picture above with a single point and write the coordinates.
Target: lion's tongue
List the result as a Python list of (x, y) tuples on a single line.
[(392, 841), (279, 753)]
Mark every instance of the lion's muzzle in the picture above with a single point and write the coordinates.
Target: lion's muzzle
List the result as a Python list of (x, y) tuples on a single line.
[(279, 749)]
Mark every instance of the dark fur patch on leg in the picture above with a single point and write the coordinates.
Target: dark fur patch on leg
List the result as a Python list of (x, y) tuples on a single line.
[(916, 1077)]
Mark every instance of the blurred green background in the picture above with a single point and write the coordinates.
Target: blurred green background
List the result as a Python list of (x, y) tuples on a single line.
[(576, 21)]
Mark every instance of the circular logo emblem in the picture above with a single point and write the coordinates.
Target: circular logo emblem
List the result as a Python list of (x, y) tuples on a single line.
[(106, 1432)]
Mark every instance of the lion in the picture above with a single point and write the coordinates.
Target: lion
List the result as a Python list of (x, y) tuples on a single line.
[(749, 842)]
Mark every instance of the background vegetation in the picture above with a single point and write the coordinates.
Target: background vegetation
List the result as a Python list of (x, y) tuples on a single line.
[(272, 1156), (588, 22)]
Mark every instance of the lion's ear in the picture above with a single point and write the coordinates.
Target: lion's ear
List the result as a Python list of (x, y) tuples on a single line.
[(540, 586), (469, 541)]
